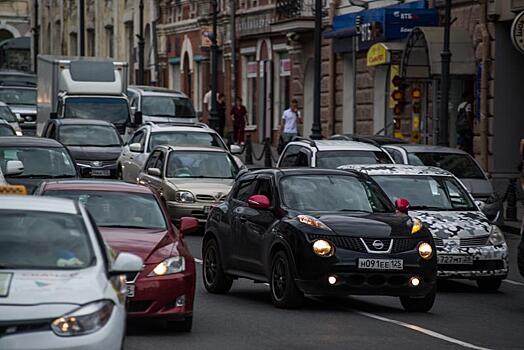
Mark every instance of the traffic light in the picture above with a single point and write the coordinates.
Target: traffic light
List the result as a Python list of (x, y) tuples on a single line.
[(398, 96), (416, 96)]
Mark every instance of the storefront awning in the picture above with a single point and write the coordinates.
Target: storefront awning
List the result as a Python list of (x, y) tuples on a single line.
[(422, 60)]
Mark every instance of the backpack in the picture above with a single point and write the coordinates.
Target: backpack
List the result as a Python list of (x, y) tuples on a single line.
[(462, 122)]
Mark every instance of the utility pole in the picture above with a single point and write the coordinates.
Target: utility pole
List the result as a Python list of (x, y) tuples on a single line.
[(213, 114), (81, 28), (36, 36), (316, 129), (443, 135), (233, 10), (140, 37)]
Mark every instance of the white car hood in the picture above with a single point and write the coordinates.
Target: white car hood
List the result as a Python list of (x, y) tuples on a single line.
[(446, 224), (47, 293), (203, 186)]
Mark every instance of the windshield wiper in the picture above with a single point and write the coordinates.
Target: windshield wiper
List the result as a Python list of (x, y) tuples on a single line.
[(163, 115)]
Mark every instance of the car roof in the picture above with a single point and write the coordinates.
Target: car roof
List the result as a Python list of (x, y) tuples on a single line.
[(155, 91), (298, 171), (32, 203), (181, 128), (193, 148), (414, 148), (95, 185), (75, 121), (28, 141), (338, 145), (397, 169)]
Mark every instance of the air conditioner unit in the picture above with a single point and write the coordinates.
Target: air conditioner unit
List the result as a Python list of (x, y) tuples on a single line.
[(501, 10)]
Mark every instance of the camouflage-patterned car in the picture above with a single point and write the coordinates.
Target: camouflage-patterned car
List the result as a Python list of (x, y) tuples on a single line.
[(468, 245)]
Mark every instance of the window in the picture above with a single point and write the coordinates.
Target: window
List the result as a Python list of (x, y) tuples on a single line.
[(39, 161), (334, 159), (396, 155), (138, 137), (160, 161), (264, 188), (90, 42), (290, 156), (250, 81), (201, 164), (461, 165), (245, 190), (285, 72), (186, 138), (303, 158), (89, 135), (73, 44), (110, 40), (152, 159)]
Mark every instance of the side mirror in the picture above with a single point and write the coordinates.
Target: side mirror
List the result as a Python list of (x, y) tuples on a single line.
[(402, 205), (235, 149), (136, 147), (154, 172), (14, 167), (188, 225), (53, 115), (138, 118), (480, 204), (259, 201), (126, 263)]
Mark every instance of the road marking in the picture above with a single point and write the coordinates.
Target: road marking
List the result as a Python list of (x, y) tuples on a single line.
[(198, 261), (422, 330), (514, 282)]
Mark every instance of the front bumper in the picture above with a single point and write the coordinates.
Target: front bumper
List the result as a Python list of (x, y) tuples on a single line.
[(198, 210), (488, 261), (109, 337), (157, 296), (102, 171)]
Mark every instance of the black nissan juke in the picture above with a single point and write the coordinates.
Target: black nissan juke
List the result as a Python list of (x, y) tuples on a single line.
[(320, 233)]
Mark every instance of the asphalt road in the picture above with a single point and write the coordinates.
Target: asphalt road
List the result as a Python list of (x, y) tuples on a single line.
[(463, 317)]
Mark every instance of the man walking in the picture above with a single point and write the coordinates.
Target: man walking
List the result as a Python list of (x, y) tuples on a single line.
[(464, 124), (290, 120)]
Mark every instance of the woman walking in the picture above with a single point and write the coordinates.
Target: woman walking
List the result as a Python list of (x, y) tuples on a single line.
[(238, 113)]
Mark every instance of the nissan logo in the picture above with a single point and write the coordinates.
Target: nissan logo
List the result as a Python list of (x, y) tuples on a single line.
[(378, 245)]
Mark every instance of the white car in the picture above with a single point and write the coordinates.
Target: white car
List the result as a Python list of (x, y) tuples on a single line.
[(140, 145), (7, 114), (60, 286), (468, 245)]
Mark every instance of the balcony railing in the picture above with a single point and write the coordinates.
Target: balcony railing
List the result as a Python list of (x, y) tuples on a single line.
[(290, 9)]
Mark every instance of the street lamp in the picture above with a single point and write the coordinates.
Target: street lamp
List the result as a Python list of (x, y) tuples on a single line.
[(443, 135), (316, 129), (81, 27), (36, 36), (213, 114)]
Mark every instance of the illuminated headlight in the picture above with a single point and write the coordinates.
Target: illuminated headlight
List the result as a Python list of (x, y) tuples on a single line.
[(19, 132), (169, 266), (495, 236), (425, 250), (323, 248), (85, 320), (311, 221), (184, 197), (417, 226)]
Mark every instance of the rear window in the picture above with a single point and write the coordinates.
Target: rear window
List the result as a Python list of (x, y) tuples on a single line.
[(334, 159), (461, 165)]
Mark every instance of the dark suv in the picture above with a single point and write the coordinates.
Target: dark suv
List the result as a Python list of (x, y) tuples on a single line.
[(318, 232)]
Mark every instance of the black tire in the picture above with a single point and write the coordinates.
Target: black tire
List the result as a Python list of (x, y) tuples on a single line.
[(490, 284), (119, 175), (424, 304), (284, 291), (215, 280), (181, 326)]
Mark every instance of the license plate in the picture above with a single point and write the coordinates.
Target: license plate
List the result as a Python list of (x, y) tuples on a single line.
[(100, 172), (381, 264), (130, 290), (454, 259), (207, 209)]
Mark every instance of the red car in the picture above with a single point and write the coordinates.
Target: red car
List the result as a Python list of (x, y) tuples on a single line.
[(133, 219)]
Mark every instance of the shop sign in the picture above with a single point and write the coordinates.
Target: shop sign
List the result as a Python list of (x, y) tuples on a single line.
[(252, 68), (517, 32), (378, 54)]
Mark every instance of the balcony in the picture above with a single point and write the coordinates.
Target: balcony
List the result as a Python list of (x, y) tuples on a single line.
[(294, 15)]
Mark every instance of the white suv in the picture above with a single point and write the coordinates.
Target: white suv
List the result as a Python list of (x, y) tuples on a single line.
[(330, 154), (137, 149)]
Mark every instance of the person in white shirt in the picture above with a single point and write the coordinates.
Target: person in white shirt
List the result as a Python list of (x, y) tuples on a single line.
[(290, 120)]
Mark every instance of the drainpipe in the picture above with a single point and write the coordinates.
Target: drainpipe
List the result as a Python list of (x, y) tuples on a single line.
[(333, 73), (484, 85)]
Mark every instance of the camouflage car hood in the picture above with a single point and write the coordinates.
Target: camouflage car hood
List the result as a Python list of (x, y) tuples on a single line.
[(446, 224)]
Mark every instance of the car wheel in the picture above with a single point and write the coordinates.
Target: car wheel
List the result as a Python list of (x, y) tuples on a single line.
[(490, 284), (423, 304), (215, 280), (284, 291), (181, 326)]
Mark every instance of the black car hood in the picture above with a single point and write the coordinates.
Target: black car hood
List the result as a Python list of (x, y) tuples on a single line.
[(30, 184), (95, 153), (368, 225)]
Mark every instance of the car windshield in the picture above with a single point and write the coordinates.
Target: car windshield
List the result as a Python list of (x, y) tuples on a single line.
[(165, 106), (118, 209), (339, 194), (17, 96), (89, 135), (43, 240), (334, 159), (39, 161), (426, 192), (185, 138), (201, 164), (113, 110), (460, 165), (6, 130), (7, 115)]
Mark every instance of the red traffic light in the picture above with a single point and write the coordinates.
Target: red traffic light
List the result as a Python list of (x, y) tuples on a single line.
[(416, 93)]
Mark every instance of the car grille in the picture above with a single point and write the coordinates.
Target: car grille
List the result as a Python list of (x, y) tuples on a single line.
[(99, 163), (356, 244), (12, 327), (138, 306), (209, 198), (471, 242), (28, 117)]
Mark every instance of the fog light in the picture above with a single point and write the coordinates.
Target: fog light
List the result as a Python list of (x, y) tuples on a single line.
[(180, 301), (425, 250), (414, 281), (332, 280)]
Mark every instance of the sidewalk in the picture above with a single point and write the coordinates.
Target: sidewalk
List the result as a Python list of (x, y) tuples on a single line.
[(514, 226), (257, 151)]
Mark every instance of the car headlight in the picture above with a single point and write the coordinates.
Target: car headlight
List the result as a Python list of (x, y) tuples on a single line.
[(323, 248), (84, 320), (311, 221), (417, 226), (425, 250), (169, 266), (184, 197), (495, 236)]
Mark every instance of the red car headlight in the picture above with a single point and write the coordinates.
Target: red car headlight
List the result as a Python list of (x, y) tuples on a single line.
[(175, 264)]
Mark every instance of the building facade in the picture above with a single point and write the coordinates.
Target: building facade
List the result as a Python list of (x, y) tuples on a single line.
[(15, 34)]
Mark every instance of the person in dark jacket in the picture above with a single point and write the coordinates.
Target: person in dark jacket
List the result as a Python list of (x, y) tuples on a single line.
[(239, 116)]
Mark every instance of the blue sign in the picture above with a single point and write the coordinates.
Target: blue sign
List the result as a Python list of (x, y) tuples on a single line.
[(387, 23)]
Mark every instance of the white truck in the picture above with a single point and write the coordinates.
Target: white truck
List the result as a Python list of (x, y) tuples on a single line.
[(82, 87)]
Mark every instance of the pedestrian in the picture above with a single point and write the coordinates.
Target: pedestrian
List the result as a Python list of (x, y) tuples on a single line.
[(207, 102), (464, 124), (290, 120), (239, 116), (221, 108)]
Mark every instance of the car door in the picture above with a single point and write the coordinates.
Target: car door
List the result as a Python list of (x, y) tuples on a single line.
[(145, 178), (157, 182), (256, 225), (132, 161)]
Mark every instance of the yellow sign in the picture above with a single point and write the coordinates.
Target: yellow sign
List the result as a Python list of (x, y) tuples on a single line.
[(394, 70), (416, 122), (378, 54), (13, 190)]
